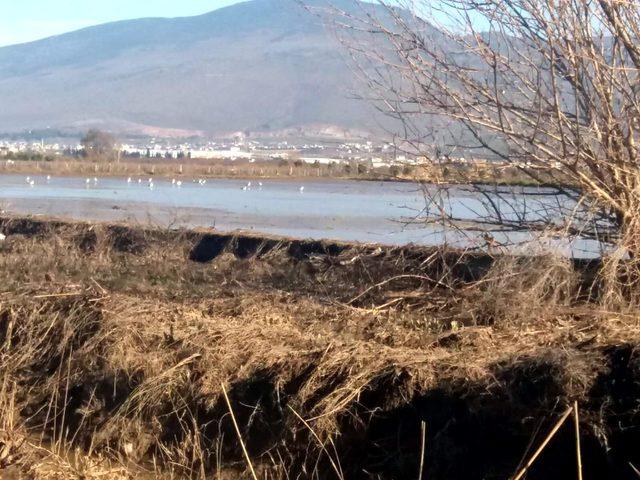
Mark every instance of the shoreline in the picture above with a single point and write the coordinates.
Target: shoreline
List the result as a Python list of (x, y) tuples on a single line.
[(297, 178), (250, 172), (33, 225)]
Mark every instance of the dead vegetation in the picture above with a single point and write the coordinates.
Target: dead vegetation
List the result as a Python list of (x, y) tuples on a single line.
[(117, 350)]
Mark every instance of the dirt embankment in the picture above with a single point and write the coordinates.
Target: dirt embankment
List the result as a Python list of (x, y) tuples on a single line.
[(117, 342)]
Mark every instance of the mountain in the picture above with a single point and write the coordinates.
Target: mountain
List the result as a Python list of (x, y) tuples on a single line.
[(263, 65)]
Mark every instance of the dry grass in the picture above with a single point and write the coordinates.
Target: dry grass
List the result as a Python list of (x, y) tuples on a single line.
[(187, 168), (112, 362)]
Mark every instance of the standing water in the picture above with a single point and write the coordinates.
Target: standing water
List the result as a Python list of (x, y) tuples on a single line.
[(381, 212)]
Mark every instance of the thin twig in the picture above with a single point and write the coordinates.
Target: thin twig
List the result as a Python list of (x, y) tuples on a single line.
[(399, 277), (100, 287), (58, 295), (423, 431), (537, 453), (322, 446), (235, 424), (576, 419)]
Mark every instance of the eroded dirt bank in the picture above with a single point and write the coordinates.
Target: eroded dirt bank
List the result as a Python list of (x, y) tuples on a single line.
[(116, 342)]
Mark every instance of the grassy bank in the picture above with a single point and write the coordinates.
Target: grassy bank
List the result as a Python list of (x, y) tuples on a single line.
[(195, 168), (134, 353)]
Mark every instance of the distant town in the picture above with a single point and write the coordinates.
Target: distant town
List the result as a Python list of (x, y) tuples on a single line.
[(371, 154), (234, 150)]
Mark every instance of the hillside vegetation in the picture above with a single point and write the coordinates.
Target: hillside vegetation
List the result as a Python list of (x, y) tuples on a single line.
[(262, 65)]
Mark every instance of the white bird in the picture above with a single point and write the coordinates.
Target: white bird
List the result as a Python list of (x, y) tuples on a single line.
[(301, 189), (139, 180), (95, 179), (244, 188), (173, 181), (48, 178), (179, 183), (151, 185), (259, 184), (32, 183), (150, 180), (249, 184), (3, 237), (87, 181), (129, 180), (28, 179)]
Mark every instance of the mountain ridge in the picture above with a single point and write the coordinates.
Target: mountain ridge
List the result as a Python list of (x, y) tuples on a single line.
[(261, 65)]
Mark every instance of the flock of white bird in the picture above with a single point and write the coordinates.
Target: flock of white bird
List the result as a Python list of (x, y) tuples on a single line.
[(174, 183), (31, 182), (149, 182)]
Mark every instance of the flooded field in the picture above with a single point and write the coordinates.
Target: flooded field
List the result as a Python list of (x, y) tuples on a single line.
[(382, 212)]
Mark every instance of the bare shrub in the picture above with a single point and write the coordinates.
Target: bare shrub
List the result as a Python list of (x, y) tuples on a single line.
[(547, 87), (99, 145)]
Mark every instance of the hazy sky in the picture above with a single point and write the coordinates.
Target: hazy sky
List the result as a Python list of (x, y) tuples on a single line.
[(26, 20)]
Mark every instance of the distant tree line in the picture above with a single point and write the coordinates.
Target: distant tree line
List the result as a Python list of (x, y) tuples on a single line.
[(30, 156), (97, 144)]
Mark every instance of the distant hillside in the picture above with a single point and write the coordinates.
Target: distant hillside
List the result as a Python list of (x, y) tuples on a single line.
[(264, 65)]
